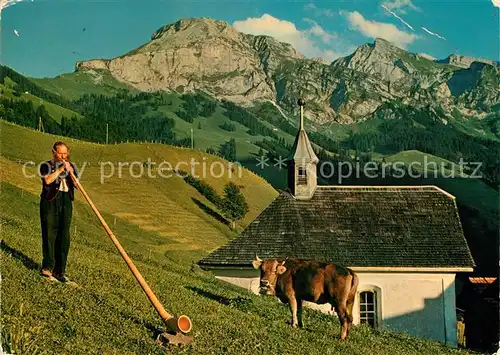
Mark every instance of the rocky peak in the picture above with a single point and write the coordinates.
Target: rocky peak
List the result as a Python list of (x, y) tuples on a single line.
[(379, 47), (320, 60), (196, 27), (189, 32), (379, 58), (383, 45), (267, 44), (465, 61)]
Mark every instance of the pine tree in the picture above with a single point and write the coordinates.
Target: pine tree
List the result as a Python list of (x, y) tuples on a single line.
[(234, 205), (232, 150), (228, 150), (65, 127)]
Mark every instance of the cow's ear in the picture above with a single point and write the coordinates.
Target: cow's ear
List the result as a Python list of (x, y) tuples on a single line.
[(280, 269), (257, 263)]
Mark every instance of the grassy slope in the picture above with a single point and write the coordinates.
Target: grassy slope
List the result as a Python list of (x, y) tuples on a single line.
[(414, 156), (54, 110), (470, 191), (474, 126), (164, 205), (73, 85), (211, 135), (110, 313)]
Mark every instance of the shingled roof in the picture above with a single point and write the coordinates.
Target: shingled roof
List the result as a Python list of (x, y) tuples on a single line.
[(356, 227)]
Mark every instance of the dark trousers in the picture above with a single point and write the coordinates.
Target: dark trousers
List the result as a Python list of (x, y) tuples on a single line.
[(55, 218)]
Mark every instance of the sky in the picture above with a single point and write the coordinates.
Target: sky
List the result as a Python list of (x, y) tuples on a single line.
[(45, 38)]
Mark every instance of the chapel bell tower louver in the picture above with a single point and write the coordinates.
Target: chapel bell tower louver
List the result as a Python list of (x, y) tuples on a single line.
[(302, 163)]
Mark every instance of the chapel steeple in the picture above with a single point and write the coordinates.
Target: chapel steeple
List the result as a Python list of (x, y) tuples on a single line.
[(302, 162)]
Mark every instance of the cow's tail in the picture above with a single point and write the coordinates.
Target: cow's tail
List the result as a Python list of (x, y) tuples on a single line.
[(351, 294), (354, 285)]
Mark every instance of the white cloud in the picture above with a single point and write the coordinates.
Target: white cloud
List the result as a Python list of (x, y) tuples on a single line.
[(374, 29), (314, 42), (317, 11), (400, 5), (496, 3), (433, 33), (399, 18), (318, 31)]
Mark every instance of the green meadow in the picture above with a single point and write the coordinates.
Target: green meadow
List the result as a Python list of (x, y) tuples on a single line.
[(160, 224)]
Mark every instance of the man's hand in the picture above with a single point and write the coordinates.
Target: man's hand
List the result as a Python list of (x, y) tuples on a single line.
[(68, 167)]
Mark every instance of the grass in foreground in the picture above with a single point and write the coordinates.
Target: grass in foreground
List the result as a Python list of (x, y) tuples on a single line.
[(109, 313)]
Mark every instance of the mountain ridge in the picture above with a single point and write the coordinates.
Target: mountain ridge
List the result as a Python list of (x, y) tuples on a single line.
[(211, 56)]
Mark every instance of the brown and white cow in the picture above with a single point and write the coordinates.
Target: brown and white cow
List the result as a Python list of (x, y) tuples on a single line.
[(295, 280)]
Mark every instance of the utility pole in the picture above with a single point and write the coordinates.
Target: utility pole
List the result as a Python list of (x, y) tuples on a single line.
[(192, 140), (107, 132)]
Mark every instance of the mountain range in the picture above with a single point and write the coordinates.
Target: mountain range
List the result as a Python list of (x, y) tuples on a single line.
[(211, 56)]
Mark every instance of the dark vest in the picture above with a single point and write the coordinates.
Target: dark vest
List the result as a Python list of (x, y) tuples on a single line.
[(50, 191)]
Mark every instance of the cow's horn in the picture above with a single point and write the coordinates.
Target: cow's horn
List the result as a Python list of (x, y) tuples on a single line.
[(257, 258)]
